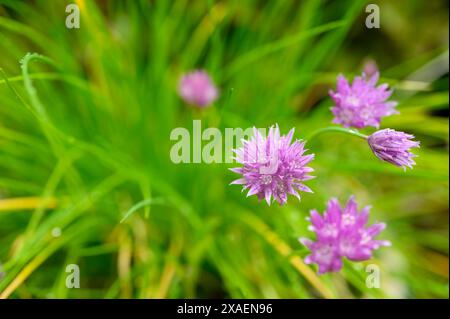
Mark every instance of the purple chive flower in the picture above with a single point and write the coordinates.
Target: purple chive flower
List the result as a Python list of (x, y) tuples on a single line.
[(370, 67), (342, 232), (393, 147), (197, 88), (273, 166), (361, 104)]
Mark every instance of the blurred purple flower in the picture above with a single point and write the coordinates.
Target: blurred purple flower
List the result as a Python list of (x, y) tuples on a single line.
[(393, 147), (361, 104), (341, 232), (370, 67), (273, 166), (197, 88)]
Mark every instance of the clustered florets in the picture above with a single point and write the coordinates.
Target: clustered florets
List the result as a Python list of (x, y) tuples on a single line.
[(361, 104), (274, 166), (341, 232)]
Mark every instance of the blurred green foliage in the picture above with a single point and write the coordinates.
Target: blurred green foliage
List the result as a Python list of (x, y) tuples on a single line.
[(84, 137)]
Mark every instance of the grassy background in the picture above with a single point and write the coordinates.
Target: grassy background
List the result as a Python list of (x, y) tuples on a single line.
[(84, 136)]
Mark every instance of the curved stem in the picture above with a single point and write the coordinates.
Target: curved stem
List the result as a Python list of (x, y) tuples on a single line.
[(335, 129), (30, 89)]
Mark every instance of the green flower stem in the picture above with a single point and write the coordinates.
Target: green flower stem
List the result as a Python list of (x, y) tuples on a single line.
[(335, 129)]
